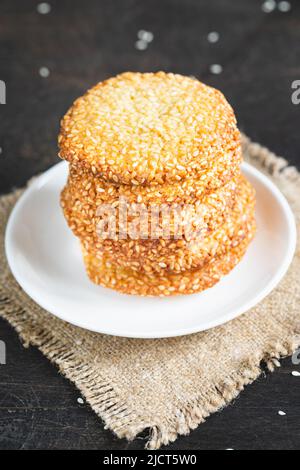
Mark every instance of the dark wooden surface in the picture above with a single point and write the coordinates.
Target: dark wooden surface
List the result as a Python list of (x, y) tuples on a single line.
[(82, 43)]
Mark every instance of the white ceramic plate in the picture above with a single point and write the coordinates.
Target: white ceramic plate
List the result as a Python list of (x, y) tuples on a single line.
[(45, 258)]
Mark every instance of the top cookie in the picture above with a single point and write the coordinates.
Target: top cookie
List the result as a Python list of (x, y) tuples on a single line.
[(147, 128)]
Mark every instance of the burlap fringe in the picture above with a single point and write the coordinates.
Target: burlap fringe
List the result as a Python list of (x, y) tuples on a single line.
[(275, 166), (106, 404), (195, 413), (99, 393)]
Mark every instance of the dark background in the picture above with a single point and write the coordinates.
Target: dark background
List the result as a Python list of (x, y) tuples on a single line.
[(82, 42)]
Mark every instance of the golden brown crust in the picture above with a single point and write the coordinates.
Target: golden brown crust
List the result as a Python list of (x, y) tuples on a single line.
[(168, 255), (154, 127), (106, 273), (84, 193), (148, 140)]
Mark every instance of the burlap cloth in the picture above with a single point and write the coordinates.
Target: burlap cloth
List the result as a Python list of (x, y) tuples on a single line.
[(168, 385)]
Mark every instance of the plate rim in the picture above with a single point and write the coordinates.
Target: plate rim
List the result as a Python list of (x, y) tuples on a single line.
[(42, 179)]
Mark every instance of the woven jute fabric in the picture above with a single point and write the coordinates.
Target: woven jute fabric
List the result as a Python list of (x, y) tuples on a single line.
[(167, 385)]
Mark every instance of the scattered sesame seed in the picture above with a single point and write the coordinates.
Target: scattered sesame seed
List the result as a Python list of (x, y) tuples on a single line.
[(281, 413), (284, 6), (268, 6), (295, 373), (44, 72), (216, 69), (213, 37), (144, 35), (43, 8), (80, 401), (141, 45)]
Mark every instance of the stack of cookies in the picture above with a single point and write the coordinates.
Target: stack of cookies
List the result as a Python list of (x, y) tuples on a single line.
[(155, 191)]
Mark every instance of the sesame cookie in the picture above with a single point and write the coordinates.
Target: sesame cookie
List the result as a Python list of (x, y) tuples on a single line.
[(160, 127)]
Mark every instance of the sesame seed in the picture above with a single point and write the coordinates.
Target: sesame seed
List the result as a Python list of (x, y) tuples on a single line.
[(44, 72), (213, 37), (162, 265), (80, 401), (141, 45), (284, 6), (268, 6), (295, 373), (216, 69), (281, 413), (43, 8), (144, 35)]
